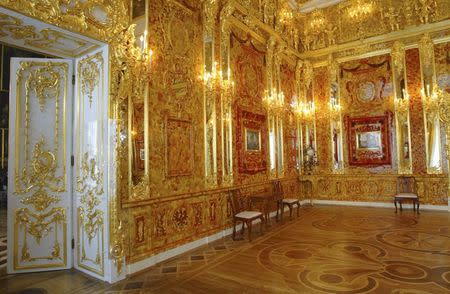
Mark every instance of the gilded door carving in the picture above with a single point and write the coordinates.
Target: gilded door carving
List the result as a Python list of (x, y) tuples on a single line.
[(39, 188), (90, 131)]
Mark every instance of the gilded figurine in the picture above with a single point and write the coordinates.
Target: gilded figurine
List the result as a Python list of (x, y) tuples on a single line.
[(425, 9)]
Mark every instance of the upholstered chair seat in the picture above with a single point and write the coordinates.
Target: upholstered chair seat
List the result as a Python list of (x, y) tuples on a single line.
[(249, 214), (239, 208)]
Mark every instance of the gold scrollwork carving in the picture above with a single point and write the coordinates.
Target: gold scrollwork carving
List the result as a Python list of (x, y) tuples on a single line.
[(47, 39), (90, 218), (89, 69), (39, 226), (96, 18), (42, 176), (41, 171)]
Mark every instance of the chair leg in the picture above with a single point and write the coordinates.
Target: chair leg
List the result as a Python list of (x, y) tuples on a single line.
[(262, 221), (395, 203), (243, 228), (418, 204), (249, 225), (401, 207), (280, 208), (298, 209), (282, 211), (276, 217), (234, 229)]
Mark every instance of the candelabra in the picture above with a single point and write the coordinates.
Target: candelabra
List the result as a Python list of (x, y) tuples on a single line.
[(335, 109), (402, 103), (304, 111), (274, 102), (432, 99), (214, 81)]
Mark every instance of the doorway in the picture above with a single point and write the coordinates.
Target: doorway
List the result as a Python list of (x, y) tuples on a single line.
[(57, 147)]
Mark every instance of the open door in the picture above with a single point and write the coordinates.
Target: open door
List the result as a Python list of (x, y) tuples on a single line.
[(90, 164), (39, 166)]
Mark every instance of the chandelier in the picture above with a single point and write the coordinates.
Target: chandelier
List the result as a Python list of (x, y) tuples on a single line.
[(360, 9)]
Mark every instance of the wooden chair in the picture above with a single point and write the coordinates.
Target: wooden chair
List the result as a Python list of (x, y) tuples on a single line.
[(240, 214), (289, 202), (277, 198), (406, 191)]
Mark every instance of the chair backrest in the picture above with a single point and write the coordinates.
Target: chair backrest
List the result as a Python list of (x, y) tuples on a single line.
[(238, 203), (406, 185), (277, 190)]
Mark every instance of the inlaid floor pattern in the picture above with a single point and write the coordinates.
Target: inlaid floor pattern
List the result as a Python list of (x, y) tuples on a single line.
[(325, 250)]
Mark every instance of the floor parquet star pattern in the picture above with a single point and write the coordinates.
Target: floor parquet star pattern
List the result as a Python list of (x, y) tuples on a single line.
[(326, 250)]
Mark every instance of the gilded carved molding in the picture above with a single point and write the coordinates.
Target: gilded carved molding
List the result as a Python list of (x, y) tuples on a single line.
[(340, 24), (90, 218), (97, 18)]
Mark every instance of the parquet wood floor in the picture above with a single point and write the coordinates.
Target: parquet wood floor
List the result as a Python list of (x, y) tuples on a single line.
[(326, 250)]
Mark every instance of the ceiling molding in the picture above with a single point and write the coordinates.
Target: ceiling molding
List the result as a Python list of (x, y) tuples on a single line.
[(26, 32)]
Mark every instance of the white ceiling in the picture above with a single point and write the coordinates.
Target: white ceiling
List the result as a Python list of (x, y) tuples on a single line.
[(28, 33)]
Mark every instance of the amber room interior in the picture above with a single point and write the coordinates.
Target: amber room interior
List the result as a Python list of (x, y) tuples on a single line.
[(224, 146)]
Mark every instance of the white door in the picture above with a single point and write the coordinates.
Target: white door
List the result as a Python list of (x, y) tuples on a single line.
[(39, 165), (90, 169)]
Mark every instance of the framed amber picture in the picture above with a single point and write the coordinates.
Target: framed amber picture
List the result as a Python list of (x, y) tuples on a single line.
[(252, 140), (368, 140)]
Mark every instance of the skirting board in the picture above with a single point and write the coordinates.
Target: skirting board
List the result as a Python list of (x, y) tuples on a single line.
[(376, 204), (160, 257)]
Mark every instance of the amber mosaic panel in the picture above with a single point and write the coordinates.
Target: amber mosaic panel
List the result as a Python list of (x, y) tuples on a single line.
[(321, 99), (413, 77)]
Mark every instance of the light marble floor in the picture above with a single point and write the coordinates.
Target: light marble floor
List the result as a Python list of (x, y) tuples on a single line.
[(326, 250)]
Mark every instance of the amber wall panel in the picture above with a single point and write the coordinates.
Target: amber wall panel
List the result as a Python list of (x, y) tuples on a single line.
[(180, 208), (432, 189), (442, 60), (291, 146), (323, 131), (175, 94), (412, 60), (375, 184), (248, 68), (366, 91)]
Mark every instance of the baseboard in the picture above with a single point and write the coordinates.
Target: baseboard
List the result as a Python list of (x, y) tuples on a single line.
[(160, 257), (377, 204)]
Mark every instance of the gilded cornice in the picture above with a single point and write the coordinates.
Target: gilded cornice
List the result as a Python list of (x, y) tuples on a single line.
[(79, 17), (388, 21), (250, 21)]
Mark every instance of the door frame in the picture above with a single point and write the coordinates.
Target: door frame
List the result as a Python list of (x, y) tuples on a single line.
[(110, 272)]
